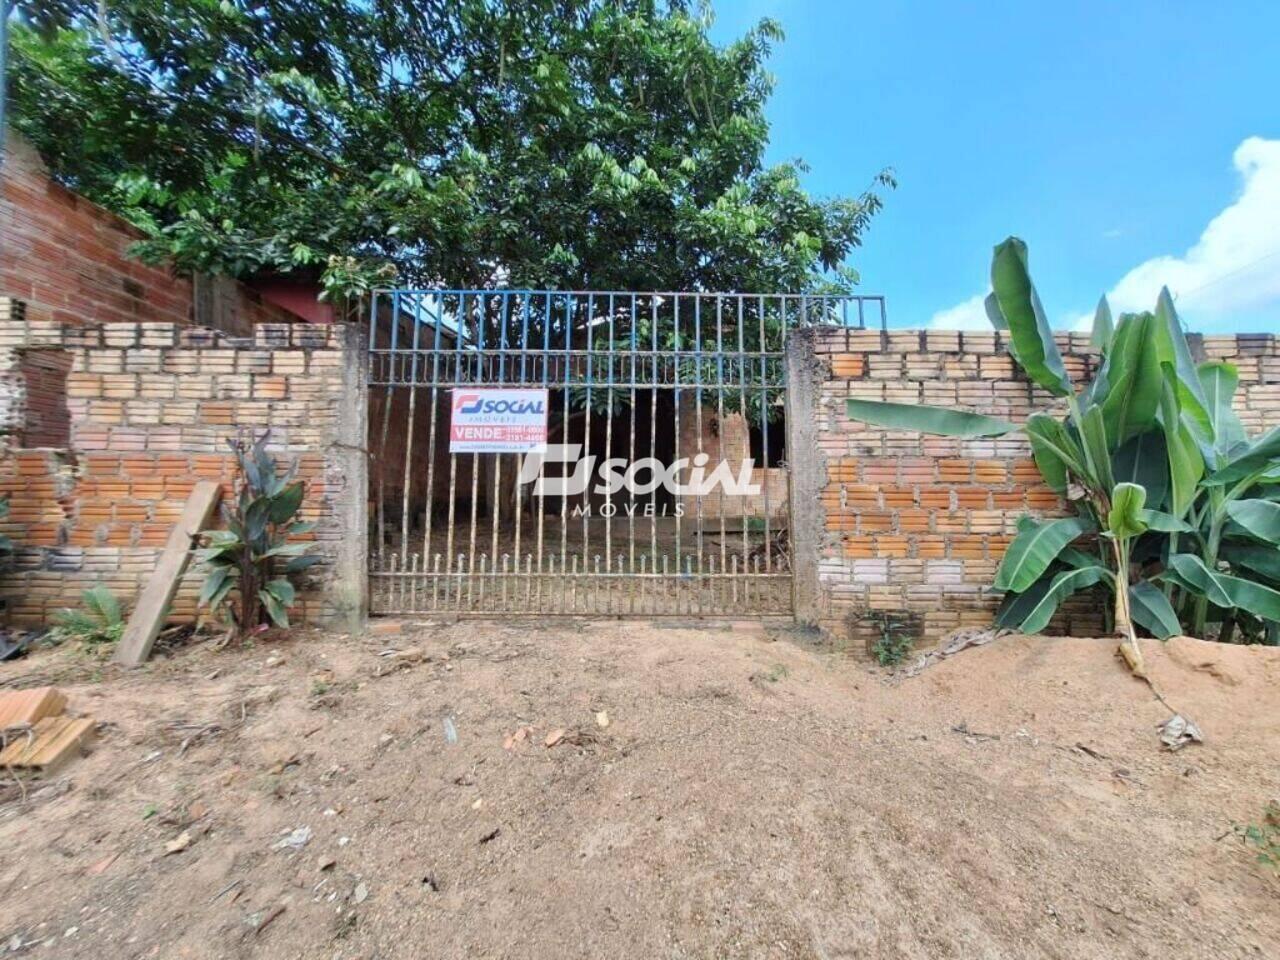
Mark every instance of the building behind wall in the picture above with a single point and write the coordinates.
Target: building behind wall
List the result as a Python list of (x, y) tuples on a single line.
[(68, 260)]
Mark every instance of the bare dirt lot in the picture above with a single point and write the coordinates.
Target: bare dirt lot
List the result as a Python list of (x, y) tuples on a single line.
[(748, 797)]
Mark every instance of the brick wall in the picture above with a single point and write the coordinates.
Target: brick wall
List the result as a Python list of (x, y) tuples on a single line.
[(728, 440), (916, 525), (67, 259), (148, 410)]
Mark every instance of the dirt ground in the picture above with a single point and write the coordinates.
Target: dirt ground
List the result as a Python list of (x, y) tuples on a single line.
[(749, 797)]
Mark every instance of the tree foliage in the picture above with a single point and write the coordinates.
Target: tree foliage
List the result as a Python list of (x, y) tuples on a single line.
[(542, 143)]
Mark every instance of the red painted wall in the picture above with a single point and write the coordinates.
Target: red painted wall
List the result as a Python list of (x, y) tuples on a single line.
[(297, 297)]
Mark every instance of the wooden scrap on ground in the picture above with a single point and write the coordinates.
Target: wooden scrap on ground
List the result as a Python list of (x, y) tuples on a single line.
[(54, 740), (25, 707), (153, 606)]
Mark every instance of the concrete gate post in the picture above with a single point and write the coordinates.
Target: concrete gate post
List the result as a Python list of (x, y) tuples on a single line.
[(808, 471), (349, 460)]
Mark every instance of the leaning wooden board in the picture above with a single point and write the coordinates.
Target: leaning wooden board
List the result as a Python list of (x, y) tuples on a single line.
[(19, 707), (54, 740), (153, 606)]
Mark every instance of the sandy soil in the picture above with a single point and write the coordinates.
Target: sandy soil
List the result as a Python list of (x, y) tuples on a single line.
[(749, 797)]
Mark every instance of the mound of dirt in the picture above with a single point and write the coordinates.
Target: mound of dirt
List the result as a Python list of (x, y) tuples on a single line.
[(1078, 682), (553, 790)]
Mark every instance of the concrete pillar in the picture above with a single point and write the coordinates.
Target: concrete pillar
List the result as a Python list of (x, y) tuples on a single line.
[(808, 471), (349, 460)]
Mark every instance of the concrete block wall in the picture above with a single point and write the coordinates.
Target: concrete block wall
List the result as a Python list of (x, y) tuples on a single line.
[(914, 526), (148, 409)]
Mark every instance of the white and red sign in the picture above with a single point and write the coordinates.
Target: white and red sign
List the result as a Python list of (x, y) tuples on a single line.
[(497, 420)]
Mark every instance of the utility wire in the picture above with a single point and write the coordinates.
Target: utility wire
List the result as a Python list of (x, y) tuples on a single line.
[(1230, 274)]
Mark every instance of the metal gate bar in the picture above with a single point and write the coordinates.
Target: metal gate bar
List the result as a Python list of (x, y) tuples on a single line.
[(632, 378)]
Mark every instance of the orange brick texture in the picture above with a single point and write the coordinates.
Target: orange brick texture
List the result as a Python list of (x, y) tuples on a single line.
[(916, 525), (68, 260), (146, 411)]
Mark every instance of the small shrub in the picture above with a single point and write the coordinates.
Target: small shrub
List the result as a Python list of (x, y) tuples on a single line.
[(97, 623), (1264, 837), (887, 635), (259, 522), (892, 648)]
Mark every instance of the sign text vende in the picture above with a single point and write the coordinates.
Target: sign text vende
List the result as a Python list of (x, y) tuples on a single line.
[(497, 420)]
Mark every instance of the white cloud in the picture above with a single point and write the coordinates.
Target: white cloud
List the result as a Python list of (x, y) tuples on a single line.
[(1234, 268), (1229, 279), (969, 315)]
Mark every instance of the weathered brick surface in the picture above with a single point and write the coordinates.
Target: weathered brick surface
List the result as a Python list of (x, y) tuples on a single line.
[(147, 410), (917, 525), (67, 258)]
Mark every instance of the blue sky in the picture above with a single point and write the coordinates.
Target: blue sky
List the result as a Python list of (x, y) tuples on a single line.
[(1131, 145)]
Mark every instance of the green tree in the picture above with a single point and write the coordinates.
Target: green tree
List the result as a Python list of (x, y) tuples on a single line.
[(543, 143)]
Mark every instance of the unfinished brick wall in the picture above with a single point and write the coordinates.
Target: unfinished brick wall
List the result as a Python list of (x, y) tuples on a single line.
[(149, 409), (67, 259), (915, 526), (728, 440)]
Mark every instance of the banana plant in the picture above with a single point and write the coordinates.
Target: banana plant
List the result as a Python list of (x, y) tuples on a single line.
[(1235, 518), (1149, 454), (242, 561)]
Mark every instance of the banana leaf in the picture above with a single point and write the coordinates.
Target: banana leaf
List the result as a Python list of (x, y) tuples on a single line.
[(1163, 522), (1145, 461), (1174, 350), (1149, 607), (1016, 607), (1062, 586), (992, 306), (285, 502), (936, 420), (1093, 437), (275, 609), (1261, 518), (1034, 346), (1125, 519), (1035, 547), (1218, 381), (1246, 460), (1056, 452), (1257, 557), (1103, 326), (1185, 463), (1135, 380), (1223, 590)]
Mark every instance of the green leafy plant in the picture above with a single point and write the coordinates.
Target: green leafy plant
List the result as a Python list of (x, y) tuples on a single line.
[(891, 648), (242, 559), (97, 623), (1264, 837), (1175, 505)]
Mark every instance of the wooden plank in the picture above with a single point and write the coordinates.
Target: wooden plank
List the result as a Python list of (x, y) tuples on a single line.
[(20, 707), (153, 606), (55, 740)]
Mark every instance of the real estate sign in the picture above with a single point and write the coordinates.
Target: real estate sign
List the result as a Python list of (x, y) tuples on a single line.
[(497, 420)]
